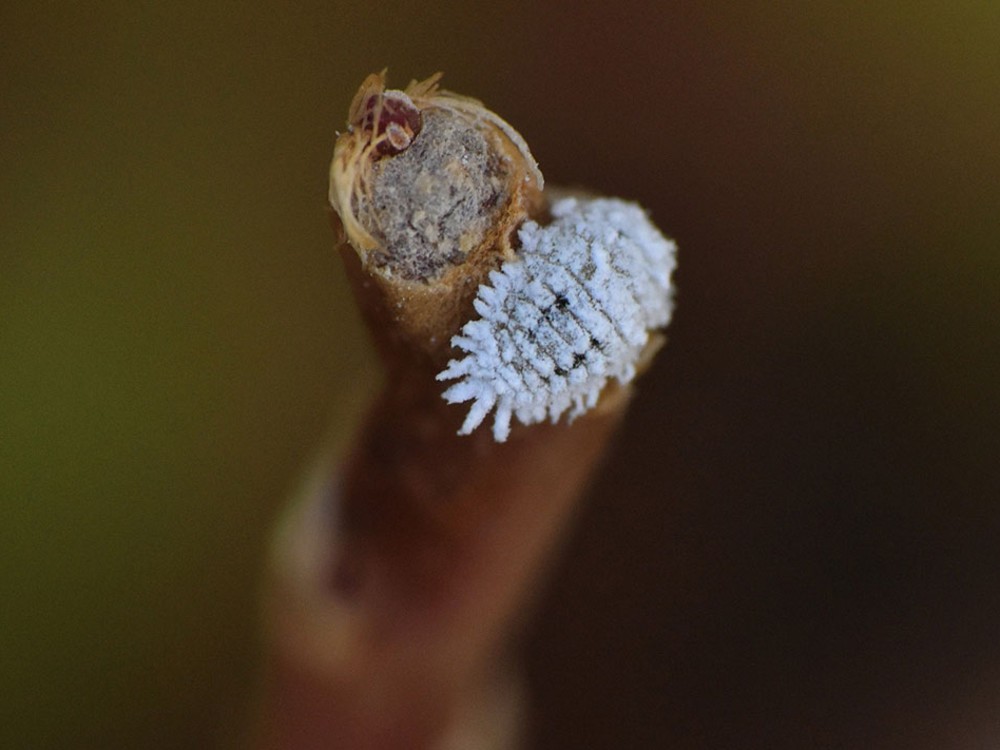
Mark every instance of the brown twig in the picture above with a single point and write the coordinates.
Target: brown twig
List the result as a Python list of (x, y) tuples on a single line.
[(396, 585)]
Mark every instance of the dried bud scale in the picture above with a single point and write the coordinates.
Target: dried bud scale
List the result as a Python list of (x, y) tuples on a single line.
[(439, 197)]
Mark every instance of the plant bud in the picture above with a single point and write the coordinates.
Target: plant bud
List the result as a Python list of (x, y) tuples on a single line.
[(430, 188)]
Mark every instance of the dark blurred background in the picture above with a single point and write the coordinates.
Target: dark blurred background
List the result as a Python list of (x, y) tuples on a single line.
[(796, 541)]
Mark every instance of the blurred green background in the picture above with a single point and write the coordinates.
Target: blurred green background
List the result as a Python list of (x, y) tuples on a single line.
[(797, 540)]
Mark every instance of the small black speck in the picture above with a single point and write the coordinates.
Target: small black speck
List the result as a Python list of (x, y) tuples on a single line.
[(579, 359), (560, 371), (561, 302)]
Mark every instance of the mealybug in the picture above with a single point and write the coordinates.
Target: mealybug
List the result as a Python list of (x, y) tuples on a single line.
[(574, 309)]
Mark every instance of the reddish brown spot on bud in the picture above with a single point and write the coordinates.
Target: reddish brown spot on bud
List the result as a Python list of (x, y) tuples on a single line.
[(398, 119)]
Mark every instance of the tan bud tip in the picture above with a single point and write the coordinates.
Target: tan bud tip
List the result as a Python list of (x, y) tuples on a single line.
[(429, 185)]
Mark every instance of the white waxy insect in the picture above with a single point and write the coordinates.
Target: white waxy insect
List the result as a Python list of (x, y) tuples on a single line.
[(574, 309)]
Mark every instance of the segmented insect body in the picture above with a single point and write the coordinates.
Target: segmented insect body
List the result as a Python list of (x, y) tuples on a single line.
[(573, 310)]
